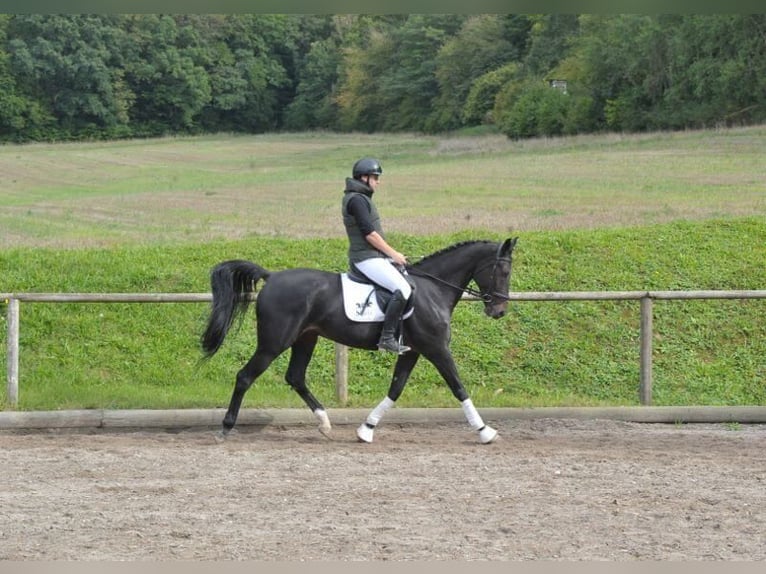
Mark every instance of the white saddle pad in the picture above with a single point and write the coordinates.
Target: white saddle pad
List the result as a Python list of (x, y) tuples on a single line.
[(360, 303)]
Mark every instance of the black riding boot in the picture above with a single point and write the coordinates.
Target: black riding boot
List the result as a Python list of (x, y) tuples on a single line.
[(394, 310)]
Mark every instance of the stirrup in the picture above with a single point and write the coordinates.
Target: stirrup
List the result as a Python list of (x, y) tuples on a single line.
[(392, 345)]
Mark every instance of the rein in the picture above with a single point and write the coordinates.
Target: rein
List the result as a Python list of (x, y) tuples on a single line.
[(484, 296)]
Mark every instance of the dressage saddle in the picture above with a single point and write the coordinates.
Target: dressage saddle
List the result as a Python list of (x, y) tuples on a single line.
[(382, 295)]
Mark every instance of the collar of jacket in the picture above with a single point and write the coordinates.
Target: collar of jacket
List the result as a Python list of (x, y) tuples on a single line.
[(356, 186)]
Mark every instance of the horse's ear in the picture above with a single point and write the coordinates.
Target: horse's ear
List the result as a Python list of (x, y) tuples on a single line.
[(508, 246)]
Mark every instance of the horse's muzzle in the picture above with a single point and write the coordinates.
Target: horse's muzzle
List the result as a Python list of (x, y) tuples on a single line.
[(496, 311)]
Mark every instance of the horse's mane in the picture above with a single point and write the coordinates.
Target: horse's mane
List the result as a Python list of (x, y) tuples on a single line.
[(449, 249)]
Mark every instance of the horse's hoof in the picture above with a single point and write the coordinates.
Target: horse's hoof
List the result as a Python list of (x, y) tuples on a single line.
[(487, 435), (326, 430), (364, 433), (324, 422), (225, 433)]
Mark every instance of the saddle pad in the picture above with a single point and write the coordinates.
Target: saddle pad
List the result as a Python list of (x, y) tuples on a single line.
[(360, 302)]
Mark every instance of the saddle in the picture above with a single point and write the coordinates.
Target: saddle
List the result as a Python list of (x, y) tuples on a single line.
[(364, 301)]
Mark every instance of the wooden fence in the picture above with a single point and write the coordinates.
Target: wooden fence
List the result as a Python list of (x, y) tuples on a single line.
[(645, 298)]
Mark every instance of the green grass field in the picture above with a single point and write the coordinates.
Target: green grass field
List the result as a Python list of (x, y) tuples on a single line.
[(655, 211)]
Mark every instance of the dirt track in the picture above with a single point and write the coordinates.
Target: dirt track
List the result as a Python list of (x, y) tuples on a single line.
[(547, 490)]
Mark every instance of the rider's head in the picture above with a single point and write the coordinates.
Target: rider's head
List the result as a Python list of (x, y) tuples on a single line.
[(367, 166)]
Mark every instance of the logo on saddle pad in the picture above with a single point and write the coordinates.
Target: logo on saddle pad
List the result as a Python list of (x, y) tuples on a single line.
[(360, 301)]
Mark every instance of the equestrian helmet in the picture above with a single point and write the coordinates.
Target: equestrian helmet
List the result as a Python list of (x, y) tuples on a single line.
[(366, 166)]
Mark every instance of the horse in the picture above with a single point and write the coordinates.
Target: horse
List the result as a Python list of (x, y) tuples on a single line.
[(294, 307)]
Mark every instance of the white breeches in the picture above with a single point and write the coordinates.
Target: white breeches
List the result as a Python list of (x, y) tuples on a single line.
[(383, 272)]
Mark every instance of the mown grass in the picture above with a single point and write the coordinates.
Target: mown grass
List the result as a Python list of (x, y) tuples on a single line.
[(214, 188), (655, 211)]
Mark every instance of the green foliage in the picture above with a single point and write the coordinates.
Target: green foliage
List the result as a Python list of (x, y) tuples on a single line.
[(481, 97), (389, 79), (71, 68), (539, 111), (79, 76), (361, 108), (407, 84), (549, 39), (170, 85), (719, 69), (479, 48), (314, 105)]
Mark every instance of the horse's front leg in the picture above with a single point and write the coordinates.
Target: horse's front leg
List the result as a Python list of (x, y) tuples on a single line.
[(300, 356), (404, 365), (445, 364)]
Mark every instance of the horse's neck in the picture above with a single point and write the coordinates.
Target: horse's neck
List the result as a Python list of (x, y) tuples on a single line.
[(456, 267)]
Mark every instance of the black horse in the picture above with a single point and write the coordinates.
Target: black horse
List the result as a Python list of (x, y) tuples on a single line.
[(296, 306)]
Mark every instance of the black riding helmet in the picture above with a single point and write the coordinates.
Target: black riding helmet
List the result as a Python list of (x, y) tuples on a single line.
[(366, 166)]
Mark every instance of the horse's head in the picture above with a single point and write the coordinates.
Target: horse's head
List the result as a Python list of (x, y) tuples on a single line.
[(493, 278)]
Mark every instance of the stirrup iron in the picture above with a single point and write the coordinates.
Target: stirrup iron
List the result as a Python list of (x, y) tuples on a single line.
[(392, 345)]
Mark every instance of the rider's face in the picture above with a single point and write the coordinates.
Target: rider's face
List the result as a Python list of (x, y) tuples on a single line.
[(373, 181)]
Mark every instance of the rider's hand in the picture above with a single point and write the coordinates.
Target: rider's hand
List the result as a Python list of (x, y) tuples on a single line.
[(399, 259)]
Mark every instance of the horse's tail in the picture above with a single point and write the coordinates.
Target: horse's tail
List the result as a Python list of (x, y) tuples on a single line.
[(232, 283)]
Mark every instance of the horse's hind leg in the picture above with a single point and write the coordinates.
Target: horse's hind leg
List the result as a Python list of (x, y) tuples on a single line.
[(404, 365), (300, 356), (257, 364)]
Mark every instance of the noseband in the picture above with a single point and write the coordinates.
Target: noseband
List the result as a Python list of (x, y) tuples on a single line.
[(487, 296)]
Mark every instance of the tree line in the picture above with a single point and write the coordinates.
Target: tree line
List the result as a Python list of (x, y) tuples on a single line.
[(66, 77)]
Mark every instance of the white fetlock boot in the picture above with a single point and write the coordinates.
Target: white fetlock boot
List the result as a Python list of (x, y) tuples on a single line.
[(487, 435), (364, 433)]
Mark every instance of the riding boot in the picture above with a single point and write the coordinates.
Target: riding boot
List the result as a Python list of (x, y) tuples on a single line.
[(394, 310)]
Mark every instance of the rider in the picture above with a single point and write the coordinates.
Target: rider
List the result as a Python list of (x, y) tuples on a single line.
[(368, 250)]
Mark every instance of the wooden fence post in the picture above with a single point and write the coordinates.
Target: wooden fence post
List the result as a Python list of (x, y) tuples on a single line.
[(341, 373), (645, 385), (12, 384)]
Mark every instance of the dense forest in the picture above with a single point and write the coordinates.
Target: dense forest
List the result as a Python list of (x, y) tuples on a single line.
[(66, 77)]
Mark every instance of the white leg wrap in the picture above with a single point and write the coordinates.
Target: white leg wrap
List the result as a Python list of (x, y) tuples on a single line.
[(486, 433), (473, 416), (377, 413), (366, 430)]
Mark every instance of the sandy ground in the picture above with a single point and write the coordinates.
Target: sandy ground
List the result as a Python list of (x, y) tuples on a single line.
[(546, 490)]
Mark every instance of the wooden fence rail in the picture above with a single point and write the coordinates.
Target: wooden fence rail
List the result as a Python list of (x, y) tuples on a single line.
[(645, 298)]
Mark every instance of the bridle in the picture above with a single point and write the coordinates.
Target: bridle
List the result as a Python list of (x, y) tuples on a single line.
[(485, 296)]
